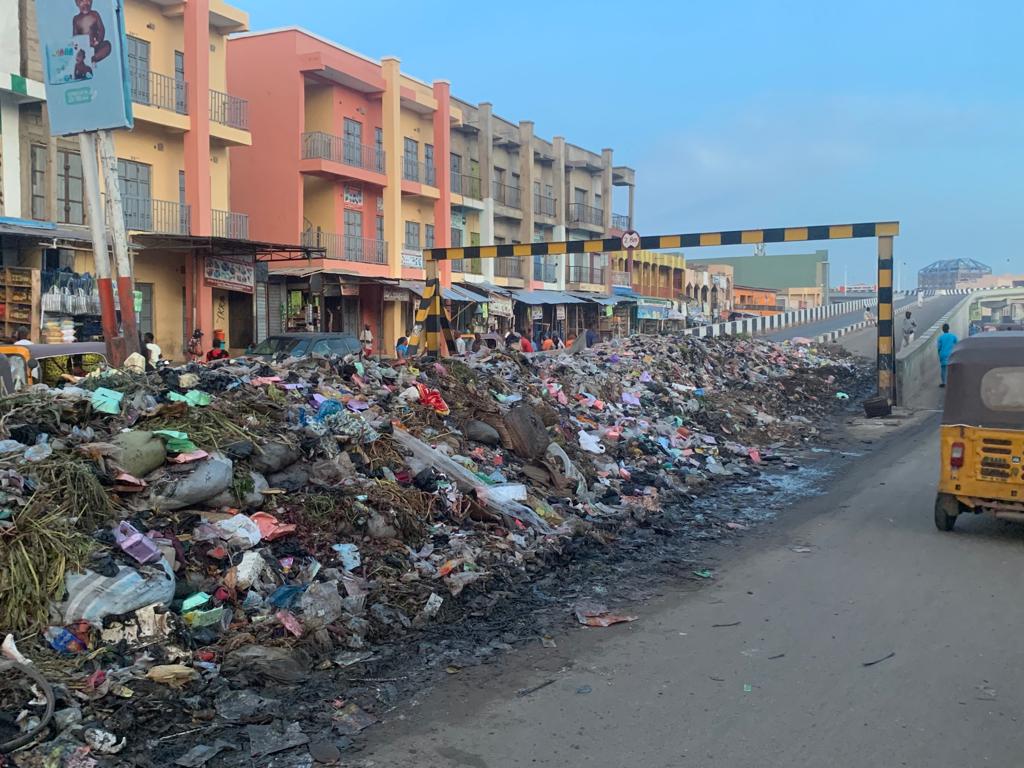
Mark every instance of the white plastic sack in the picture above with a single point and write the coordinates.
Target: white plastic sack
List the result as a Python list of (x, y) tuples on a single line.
[(239, 532), (92, 596), (591, 443)]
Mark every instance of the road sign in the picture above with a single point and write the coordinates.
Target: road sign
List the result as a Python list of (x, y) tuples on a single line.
[(630, 239)]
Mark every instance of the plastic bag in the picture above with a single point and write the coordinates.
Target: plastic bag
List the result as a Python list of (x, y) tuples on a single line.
[(239, 531), (91, 596), (590, 443)]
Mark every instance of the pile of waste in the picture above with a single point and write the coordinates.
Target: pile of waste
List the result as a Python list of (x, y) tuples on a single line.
[(177, 546)]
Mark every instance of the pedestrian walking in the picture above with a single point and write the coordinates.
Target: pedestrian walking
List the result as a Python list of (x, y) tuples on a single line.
[(868, 317), (909, 329), (366, 340), (944, 345)]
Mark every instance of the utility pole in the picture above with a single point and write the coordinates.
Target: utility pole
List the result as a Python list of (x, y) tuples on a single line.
[(125, 286), (91, 181)]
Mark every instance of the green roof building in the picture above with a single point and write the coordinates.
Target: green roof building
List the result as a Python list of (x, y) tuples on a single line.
[(798, 277)]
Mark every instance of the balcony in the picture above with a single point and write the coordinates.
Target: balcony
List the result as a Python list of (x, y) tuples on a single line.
[(468, 266), (583, 273), (229, 110), (620, 279), (543, 205), (229, 224), (414, 170), (505, 194), (347, 247), (508, 266), (317, 145), (620, 221), (587, 215), (143, 214), (152, 89), (469, 186)]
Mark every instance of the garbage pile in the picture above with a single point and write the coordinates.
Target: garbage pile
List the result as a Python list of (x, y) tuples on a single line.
[(175, 546)]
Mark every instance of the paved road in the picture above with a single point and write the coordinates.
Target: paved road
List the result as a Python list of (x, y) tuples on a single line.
[(931, 311), (783, 680), (864, 342)]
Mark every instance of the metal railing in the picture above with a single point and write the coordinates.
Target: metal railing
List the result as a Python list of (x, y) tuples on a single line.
[(620, 221), (546, 271), (466, 185), (229, 224), (543, 205), (347, 247), (161, 91), (317, 145), (143, 214), (585, 214), (505, 194), (620, 278), (229, 110), (508, 266), (583, 273), (468, 266), (414, 170)]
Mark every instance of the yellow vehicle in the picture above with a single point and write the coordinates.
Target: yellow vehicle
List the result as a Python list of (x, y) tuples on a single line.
[(51, 364), (983, 430)]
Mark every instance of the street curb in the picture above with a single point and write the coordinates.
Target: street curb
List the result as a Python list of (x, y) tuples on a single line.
[(833, 335)]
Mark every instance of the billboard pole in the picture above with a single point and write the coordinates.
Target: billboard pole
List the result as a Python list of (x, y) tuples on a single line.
[(125, 286), (97, 224)]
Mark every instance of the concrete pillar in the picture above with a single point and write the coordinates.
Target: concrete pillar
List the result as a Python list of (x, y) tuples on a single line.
[(486, 147), (526, 193), (606, 189), (632, 221), (391, 122), (10, 150), (198, 193), (560, 183), (442, 150)]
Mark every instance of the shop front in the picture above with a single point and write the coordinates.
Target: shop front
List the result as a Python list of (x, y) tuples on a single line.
[(652, 313)]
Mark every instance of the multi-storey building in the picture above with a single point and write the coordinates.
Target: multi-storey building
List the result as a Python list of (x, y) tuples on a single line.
[(370, 166), (193, 259)]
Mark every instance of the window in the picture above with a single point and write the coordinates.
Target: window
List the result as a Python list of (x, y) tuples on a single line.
[(580, 196), (379, 229), (38, 159), (378, 142), (515, 180), (429, 234), (412, 234), (1002, 389), (138, 69), (352, 145), (536, 188), (456, 161), (410, 164), (549, 191), (597, 201), (428, 162), (353, 235), (499, 175), (136, 195), (179, 83), (456, 238), (499, 240), (146, 315), (70, 195)]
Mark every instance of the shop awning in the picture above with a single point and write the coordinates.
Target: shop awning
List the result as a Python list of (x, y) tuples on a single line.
[(486, 287), (455, 293), (598, 298), (44, 230), (535, 298), (626, 294)]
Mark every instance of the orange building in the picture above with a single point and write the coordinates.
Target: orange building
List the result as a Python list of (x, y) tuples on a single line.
[(756, 301)]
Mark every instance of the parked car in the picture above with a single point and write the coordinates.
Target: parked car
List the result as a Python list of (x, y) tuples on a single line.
[(304, 344)]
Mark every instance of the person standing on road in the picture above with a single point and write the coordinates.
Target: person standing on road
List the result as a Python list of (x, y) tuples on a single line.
[(909, 329), (945, 344)]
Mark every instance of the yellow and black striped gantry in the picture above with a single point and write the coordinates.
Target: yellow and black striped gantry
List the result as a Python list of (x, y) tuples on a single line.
[(434, 319)]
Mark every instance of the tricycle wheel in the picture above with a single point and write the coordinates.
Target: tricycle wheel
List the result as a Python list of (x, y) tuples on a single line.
[(947, 507)]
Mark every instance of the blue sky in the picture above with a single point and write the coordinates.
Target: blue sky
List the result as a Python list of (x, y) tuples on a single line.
[(746, 114)]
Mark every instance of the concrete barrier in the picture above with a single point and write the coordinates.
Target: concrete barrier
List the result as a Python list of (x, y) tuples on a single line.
[(917, 366)]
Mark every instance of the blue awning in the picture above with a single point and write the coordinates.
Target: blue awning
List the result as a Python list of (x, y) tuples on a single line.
[(455, 293)]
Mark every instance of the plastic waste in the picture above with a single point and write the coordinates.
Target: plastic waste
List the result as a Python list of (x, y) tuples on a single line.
[(136, 544), (11, 446), (249, 569), (63, 641), (590, 443), (138, 452), (40, 451), (92, 597), (238, 531), (177, 441), (194, 397), (106, 400), (207, 479), (349, 555), (321, 603)]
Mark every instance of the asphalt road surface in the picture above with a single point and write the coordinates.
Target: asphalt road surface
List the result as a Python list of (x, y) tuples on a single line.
[(851, 634), (928, 313)]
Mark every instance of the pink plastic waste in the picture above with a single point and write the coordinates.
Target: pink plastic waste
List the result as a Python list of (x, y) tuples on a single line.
[(136, 544)]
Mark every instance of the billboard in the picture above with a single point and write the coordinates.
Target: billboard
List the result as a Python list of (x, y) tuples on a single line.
[(85, 65)]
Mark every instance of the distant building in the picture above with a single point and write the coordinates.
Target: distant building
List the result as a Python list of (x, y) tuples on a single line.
[(949, 274), (797, 278), (756, 301)]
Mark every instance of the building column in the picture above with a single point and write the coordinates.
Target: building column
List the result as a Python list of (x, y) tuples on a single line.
[(442, 150), (486, 146), (607, 197), (526, 194), (632, 221), (198, 195), (391, 119), (559, 182), (10, 151)]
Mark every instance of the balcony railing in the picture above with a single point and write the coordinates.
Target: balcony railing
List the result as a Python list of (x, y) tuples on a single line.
[(507, 195), (230, 224), (620, 221), (144, 214), (229, 110), (347, 247), (466, 185), (546, 271), (582, 273), (620, 278), (468, 266), (585, 214), (156, 90), (414, 170), (508, 266), (543, 205), (317, 145)]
